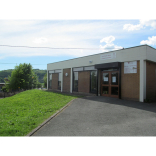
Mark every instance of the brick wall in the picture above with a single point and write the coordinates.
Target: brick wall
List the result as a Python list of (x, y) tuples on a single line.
[(66, 80), (55, 81), (150, 80), (84, 81), (130, 84)]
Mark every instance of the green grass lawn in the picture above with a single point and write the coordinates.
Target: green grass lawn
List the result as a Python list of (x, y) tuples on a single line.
[(23, 112)]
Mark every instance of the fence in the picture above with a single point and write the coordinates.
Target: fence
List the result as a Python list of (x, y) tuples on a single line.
[(8, 94)]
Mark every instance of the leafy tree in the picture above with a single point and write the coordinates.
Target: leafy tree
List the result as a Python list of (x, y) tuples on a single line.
[(22, 77), (6, 73), (39, 85), (45, 80), (4, 89), (40, 74)]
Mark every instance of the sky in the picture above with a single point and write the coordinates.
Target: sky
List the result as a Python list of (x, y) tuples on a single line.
[(104, 35)]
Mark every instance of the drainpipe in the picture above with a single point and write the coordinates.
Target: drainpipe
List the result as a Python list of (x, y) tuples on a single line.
[(71, 80), (97, 82)]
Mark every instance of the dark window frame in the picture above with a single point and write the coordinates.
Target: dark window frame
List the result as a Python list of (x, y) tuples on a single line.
[(95, 91), (75, 89), (59, 82)]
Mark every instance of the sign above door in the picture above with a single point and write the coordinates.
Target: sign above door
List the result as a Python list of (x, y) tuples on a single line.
[(108, 56)]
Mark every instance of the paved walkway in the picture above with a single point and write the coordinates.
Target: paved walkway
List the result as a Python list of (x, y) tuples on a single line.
[(103, 116)]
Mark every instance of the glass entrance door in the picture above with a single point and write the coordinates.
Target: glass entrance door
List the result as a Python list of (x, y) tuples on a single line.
[(110, 84)]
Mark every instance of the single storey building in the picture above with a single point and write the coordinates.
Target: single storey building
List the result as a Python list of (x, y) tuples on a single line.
[(128, 73)]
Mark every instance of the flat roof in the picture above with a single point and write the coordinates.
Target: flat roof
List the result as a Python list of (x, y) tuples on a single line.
[(103, 52)]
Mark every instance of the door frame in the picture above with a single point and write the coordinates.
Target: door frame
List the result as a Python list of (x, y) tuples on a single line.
[(110, 85)]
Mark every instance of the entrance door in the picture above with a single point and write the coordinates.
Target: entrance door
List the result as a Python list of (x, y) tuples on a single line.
[(110, 84)]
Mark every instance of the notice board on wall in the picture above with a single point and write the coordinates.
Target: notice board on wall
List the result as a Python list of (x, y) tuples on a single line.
[(107, 56), (130, 67)]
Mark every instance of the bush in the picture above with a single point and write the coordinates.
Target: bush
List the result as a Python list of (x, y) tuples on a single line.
[(22, 77)]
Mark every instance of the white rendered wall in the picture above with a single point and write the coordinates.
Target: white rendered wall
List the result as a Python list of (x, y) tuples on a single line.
[(130, 54), (151, 54)]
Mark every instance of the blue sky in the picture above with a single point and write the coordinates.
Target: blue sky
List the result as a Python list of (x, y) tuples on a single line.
[(106, 34)]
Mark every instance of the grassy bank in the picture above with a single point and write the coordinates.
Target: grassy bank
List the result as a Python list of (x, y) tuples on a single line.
[(23, 112)]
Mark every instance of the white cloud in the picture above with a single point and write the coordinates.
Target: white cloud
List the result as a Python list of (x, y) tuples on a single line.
[(131, 27), (150, 41), (108, 39), (57, 34), (109, 45), (142, 24), (151, 23), (40, 40)]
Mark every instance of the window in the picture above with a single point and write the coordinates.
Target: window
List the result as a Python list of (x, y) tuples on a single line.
[(50, 81), (89, 68), (78, 69), (75, 81), (58, 71), (93, 81), (59, 80)]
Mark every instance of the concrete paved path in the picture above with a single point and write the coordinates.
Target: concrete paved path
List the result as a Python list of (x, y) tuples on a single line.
[(103, 116)]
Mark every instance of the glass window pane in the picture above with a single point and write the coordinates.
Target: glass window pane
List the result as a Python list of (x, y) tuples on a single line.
[(89, 68), (105, 90), (60, 76), (114, 78), (58, 71), (59, 80), (114, 90), (51, 71), (75, 75), (59, 85), (105, 78), (78, 69), (93, 81), (50, 81), (75, 81)]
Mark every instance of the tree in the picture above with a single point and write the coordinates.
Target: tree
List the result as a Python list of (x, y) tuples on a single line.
[(22, 77), (45, 80), (4, 89)]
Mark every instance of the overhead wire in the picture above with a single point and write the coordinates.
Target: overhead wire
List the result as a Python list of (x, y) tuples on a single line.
[(55, 48), (49, 48), (18, 63)]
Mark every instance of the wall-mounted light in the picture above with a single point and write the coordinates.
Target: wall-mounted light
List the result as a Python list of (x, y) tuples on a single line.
[(90, 61), (66, 74)]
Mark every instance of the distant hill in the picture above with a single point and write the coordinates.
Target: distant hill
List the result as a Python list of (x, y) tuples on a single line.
[(38, 72), (5, 74)]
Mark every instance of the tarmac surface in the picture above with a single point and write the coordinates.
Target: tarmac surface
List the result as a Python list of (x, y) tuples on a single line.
[(102, 116)]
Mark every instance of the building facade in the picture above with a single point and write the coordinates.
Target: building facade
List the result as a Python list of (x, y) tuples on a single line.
[(127, 74)]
